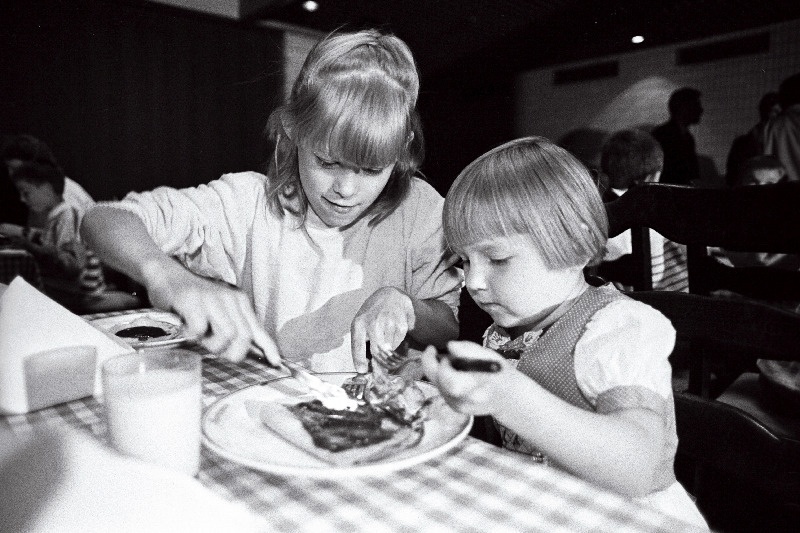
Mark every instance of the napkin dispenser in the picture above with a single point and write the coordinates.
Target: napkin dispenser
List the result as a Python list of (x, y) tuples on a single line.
[(59, 375), (48, 355)]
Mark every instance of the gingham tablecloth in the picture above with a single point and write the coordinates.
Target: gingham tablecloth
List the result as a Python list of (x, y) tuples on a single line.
[(475, 487)]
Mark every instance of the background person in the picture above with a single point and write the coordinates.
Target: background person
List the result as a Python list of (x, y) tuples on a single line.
[(750, 144), (782, 134), (680, 155), (24, 148), (630, 158)]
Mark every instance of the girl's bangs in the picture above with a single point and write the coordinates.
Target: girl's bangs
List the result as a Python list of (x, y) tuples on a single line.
[(476, 212), (363, 124)]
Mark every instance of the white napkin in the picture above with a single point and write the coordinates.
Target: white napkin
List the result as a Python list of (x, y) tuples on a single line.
[(32, 323), (67, 482)]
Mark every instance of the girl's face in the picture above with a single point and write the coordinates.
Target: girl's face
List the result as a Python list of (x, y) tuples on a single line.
[(508, 279), (338, 193)]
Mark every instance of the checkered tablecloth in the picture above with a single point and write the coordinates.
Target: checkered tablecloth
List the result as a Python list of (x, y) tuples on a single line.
[(475, 487)]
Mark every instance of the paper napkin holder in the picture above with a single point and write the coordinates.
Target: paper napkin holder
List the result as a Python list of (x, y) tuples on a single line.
[(59, 375)]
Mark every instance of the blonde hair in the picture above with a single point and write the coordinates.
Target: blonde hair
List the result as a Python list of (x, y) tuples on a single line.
[(355, 102), (530, 187)]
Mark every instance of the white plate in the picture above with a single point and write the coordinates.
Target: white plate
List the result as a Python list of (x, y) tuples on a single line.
[(231, 432), (170, 322)]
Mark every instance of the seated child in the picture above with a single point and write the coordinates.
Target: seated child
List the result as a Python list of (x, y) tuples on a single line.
[(590, 392), (25, 148), (64, 261), (629, 158), (759, 170), (762, 170)]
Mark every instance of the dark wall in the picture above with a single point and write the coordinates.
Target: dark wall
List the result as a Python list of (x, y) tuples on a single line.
[(464, 114), (463, 117), (131, 95)]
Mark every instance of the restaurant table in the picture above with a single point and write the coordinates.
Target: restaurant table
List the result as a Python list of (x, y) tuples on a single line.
[(474, 487)]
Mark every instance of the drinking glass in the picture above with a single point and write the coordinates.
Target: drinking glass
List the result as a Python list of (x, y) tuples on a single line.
[(153, 406)]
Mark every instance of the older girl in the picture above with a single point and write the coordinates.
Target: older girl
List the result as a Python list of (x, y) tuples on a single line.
[(338, 243)]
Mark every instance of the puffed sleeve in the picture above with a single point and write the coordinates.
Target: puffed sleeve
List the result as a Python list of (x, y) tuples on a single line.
[(204, 227), (621, 361), (434, 271)]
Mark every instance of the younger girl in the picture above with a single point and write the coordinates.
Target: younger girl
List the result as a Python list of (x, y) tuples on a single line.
[(340, 242), (585, 382)]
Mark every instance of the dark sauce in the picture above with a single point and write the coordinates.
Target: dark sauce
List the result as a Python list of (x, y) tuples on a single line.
[(142, 333)]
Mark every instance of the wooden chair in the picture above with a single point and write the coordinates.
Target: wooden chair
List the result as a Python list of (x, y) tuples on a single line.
[(763, 218), (743, 469), (747, 219)]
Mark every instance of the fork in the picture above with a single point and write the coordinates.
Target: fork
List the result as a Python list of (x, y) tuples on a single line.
[(390, 359), (356, 386)]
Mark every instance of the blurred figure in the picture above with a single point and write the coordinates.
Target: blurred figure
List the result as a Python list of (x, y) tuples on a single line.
[(782, 134), (680, 156), (27, 148), (57, 246), (630, 158), (759, 170), (762, 170), (751, 144)]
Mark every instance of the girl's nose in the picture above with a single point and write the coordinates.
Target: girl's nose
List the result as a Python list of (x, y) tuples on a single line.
[(474, 278), (345, 183)]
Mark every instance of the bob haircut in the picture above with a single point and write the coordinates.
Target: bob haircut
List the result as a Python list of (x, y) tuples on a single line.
[(530, 187), (354, 102), (39, 173), (630, 156)]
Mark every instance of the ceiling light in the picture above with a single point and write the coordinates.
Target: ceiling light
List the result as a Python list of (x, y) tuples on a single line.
[(310, 6), (637, 39)]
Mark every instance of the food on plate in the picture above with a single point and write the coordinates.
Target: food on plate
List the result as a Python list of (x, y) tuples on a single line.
[(142, 333), (390, 419), (144, 329), (338, 430)]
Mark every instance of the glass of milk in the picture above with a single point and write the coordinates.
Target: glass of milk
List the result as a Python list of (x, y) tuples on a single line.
[(153, 405)]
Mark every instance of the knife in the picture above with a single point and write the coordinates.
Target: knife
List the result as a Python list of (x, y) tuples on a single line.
[(302, 375)]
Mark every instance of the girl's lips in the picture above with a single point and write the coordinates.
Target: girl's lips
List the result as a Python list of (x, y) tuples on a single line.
[(338, 207)]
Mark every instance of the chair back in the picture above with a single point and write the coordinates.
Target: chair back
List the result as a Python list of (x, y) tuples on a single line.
[(732, 456), (763, 218), (722, 328)]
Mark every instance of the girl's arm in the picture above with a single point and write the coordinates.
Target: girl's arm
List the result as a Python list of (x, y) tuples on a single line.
[(618, 451), (435, 323), (222, 316)]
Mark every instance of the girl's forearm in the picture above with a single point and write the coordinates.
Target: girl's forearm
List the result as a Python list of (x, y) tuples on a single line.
[(618, 451), (121, 240), (434, 323)]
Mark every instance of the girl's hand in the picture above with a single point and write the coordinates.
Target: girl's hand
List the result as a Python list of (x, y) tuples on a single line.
[(220, 316), (473, 393), (384, 319)]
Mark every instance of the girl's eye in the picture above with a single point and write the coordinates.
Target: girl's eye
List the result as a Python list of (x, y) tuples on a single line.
[(371, 171), (499, 260), (325, 163)]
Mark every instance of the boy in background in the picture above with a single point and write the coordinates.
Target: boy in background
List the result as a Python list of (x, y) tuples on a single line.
[(24, 148), (64, 261), (630, 158)]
